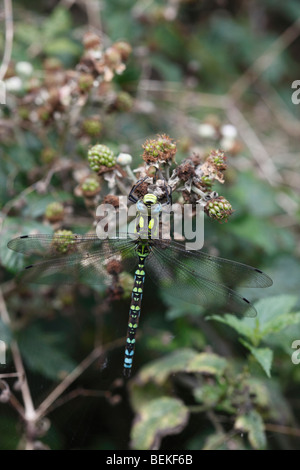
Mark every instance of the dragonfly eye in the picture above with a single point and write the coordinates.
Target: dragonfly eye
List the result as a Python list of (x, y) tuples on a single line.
[(156, 209), (141, 207)]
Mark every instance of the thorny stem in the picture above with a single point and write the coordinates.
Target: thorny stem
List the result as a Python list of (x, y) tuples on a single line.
[(31, 415), (87, 362), (198, 191), (9, 34), (29, 411)]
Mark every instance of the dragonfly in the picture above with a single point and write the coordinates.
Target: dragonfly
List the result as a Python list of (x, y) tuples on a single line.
[(194, 276)]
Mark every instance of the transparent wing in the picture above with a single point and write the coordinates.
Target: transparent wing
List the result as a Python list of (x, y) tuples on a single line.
[(179, 280), (223, 271), (80, 259)]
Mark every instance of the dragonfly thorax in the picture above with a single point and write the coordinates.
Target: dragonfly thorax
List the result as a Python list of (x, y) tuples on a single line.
[(147, 218)]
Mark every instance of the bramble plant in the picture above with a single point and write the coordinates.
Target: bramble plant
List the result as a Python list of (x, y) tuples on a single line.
[(189, 102)]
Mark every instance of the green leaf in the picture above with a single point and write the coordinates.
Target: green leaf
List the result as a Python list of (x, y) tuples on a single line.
[(62, 47), (158, 371), (221, 441), (167, 70), (256, 195), (207, 363), (271, 307), (261, 233), (280, 323), (264, 356), (158, 418), (273, 316), (44, 353), (57, 23), (252, 423), (10, 437), (36, 203), (243, 326), (14, 227), (216, 442)]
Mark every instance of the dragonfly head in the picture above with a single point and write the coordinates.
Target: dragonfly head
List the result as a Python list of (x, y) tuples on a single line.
[(149, 204), (149, 200)]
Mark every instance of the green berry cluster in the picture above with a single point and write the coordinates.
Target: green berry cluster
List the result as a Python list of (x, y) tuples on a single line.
[(218, 208), (218, 159), (124, 101), (63, 241), (206, 181), (100, 155), (92, 127), (90, 185), (54, 212), (160, 150)]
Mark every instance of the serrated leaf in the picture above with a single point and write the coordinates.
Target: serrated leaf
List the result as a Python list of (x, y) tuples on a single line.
[(159, 418), (272, 317), (252, 423), (42, 353), (58, 22), (272, 307), (264, 356), (207, 363), (158, 371), (280, 323), (243, 326)]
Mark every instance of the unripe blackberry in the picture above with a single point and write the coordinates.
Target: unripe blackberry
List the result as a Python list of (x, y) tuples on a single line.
[(92, 127), (100, 155), (160, 150), (90, 186), (63, 241), (54, 212), (218, 208), (218, 159), (123, 101)]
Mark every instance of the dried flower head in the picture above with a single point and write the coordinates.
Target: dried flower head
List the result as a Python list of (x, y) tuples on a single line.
[(218, 159), (112, 200), (186, 170), (114, 267), (161, 150), (63, 241), (124, 49), (91, 41)]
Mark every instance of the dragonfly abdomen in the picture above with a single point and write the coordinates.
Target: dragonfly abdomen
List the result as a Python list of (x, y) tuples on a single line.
[(134, 312)]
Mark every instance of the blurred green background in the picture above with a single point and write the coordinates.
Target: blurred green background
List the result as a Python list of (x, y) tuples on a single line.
[(211, 74)]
